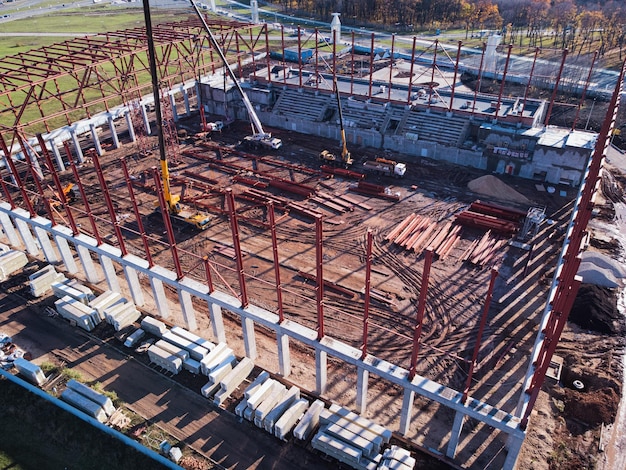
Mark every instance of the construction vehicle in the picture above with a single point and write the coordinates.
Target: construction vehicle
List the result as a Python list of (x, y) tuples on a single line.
[(216, 126), (259, 138), (328, 157), (176, 210), (382, 166)]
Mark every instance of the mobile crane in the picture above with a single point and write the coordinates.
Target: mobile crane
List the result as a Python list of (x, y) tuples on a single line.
[(344, 158), (259, 138), (176, 210)]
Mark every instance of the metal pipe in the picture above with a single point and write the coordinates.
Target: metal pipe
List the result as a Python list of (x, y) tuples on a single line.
[(282, 42), (432, 74), (209, 277), (368, 285), (479, 78), (167, 221), (299, 56), (421, 307), (352, 66), (279, 289), (317, 82)]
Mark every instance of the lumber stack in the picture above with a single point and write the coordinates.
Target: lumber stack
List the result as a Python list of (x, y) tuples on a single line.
[(481, 252), (417, 233)]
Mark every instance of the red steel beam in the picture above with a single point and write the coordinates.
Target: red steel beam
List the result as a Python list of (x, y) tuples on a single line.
[(234, 228), (16, 176), (408, 98), (421, 308), (556, 88), (456, 71), (506, 69), (584, 94)]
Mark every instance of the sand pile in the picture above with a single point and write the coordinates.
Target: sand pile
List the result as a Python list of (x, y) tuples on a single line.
[(600, 270), (489, 185)]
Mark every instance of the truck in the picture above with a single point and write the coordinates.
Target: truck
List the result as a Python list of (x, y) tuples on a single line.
[(259, 138), (383, 166)]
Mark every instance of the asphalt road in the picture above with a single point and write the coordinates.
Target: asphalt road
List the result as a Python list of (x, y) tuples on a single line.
[(182, 413)]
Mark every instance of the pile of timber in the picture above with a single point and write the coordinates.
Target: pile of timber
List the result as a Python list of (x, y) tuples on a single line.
[(375, 190), (492, 217), (481, 252), (418, 233)]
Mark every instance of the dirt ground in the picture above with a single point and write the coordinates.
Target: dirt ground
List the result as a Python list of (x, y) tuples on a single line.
[(566, 424)]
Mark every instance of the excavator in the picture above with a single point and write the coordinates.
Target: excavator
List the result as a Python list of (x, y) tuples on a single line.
[(330, 158), (175, 208), (259, 138)]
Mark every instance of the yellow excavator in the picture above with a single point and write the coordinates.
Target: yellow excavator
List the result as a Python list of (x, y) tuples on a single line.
[(330, 158)]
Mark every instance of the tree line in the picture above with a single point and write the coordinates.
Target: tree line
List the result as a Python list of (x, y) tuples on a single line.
[(578, 25)]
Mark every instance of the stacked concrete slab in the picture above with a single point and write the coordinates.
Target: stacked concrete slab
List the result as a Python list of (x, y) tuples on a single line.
[(165, 359), (196, 351), (121, 315), (86, 291), (84, 404), (188, 335), (350, 438), (216, 365), (72, 289), (290, 418), (287, 399), (103, 301), (172, 349), (396, 458), (309, 421), (233, 379), (77, 312), (30, 371), (11, 262), (41, 281), (88, 392), (153, 326)]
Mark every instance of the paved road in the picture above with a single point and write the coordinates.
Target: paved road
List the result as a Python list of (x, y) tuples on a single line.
[(180, 412)]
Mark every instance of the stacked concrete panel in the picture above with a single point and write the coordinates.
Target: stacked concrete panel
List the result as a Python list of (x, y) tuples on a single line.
[(105, 300), (344, 452), (77, 312), (192, 366), (250, 389), (88, 392), (288, 399), (208, 345), (289, 418), (214, 359), (309, 421), (196, 351), (337, 413), (396, 458), (87, 292), (233, 379), (10, 262), (84, 404), (63, 289), (165, 359), (134, 338), (153, 326), (214, 381), (172, 349), (121, 315), (31, 372), (277, 392), (41, 281)]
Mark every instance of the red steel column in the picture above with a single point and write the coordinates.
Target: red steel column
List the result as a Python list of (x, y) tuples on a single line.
[(371, 66), (142, 231), (366, 308), (320, 276), (456, 71), (83, 195), (57, 184), (393, 40), (530, 78), (506, 68), (584, 94), (267, 54), (481, 329), (209, 277), (109, 203), (432, 73), (479, 77), (352, 66), (279, 288), (35, 176), (556, 88), (16, 177), (408, 98), (299, 56), (168, 223), (234, 228), (421, 307), (6, 192)]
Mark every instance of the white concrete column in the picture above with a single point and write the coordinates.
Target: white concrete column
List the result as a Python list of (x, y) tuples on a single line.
[(96, 140), (79, 151), (129, 124), (407, 411), (146, 121), (89, 267), (173, 104), (34, 160), (186, 98), (66, 254), (249, 340), (9, 229), (198, 96), (455, 434), (109, 274), (189, 314), (284, 358), (134, 285), (46, 245), (6, 165), (217, 322), (27, 237), (158, 292), (116, 140), (514, 445), (362, 384), (57, 155), (321, 371)]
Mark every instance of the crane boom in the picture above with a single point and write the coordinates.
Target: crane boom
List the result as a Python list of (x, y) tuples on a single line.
[(257, 127), (345, 155)]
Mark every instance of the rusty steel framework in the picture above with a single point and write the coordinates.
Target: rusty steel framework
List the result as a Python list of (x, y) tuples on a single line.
[(57, 85)]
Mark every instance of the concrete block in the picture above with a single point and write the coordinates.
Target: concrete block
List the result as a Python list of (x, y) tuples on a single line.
[(153, 326), (222, 369), (173, 349), (106, 299), (256, 383), (32, 372), (259, 395), (192, 366), (101, 399), (178, 331), (277, 392), (232, 380), (210, 359), (195, 351), (309, 421), (336, 448), (241, 407), (289, 418), (292, 395), (365, 423)]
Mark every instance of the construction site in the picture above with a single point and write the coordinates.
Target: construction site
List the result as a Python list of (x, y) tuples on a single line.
[(355, 220)]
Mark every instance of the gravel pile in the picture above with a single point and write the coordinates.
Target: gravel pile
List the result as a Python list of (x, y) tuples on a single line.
[(600, 270), (489, 185)]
